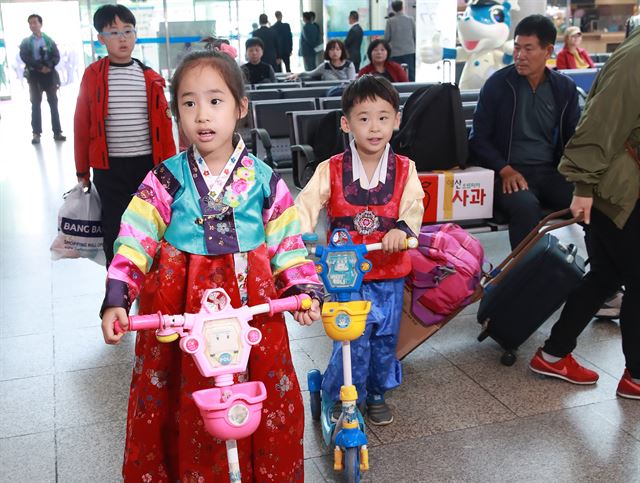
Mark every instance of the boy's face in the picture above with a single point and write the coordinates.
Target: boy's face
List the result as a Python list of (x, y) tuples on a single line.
[(119, 38), (254, 54), (35, 26), (371, 122)]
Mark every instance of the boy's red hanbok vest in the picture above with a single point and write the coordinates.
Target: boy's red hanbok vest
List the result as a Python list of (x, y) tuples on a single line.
[(369, 214)]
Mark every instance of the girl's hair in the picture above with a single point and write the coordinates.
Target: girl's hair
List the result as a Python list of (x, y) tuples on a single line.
[(221, 62), (330, 46), (374, 44)]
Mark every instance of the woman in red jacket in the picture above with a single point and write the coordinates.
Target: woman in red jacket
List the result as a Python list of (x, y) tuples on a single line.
[(572, 56), (378, 53)]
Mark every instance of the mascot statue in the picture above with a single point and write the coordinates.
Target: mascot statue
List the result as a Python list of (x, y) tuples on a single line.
[(483, 31)]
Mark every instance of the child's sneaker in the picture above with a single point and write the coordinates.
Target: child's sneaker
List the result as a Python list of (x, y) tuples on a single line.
[(379, 414), (627, 388), (566, 368)]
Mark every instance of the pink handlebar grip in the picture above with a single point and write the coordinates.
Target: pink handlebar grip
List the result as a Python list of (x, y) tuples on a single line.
[(293, 303), (140, 322)]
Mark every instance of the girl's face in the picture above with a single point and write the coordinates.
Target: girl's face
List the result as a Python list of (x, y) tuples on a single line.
[(379, 54), (335, 52), (208, 111)]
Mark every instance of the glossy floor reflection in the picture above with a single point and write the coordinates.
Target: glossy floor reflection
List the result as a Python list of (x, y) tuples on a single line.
[(460, 414)]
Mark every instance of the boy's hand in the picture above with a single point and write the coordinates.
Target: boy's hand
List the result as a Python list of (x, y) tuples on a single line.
[(85, 181), (307, 317), (109, 318), (394, 241)]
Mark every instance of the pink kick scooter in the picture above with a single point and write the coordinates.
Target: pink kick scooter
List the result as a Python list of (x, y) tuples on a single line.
[(219, 338)]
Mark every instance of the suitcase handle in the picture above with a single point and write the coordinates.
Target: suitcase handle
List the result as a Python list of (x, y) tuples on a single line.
[(528, 243)]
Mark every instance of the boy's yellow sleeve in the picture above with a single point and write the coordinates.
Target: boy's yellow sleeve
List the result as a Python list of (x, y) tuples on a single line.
[(313, 198), (411, 206)]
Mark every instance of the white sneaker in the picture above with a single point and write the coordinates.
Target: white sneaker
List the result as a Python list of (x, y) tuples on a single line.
[(611, 307)]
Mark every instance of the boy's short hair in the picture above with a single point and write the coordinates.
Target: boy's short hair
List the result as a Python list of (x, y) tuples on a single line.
[(540, 26), (396, 6), (254, 42), (35, 15), (263, 19), (354, 15), (369, 87), (106, 15)]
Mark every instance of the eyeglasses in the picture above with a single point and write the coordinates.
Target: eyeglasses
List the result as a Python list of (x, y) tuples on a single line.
[(126, 34)]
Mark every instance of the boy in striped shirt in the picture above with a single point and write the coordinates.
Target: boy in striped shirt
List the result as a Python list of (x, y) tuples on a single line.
[(122, 122)]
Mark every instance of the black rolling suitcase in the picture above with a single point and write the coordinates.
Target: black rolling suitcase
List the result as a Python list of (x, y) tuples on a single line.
[(529, 286)]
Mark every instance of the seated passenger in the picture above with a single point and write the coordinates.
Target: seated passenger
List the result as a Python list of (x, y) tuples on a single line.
[(255, 71), (572, 56), (525, 115), (379, 52), (336, 66)]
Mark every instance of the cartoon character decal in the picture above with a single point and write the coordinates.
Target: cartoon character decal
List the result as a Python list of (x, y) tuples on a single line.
[(483, 31)]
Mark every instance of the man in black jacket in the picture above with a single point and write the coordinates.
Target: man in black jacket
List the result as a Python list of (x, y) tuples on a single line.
[(285, 40), (353, 42), (269, 38), (525, 115), (40, 54)]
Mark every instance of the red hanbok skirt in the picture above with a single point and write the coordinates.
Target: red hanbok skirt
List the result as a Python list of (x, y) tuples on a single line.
[(166, 440)]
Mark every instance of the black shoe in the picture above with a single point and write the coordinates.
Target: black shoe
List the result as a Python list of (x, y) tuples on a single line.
[(379, 414), (336, 412), (35, 139), (59, 137)]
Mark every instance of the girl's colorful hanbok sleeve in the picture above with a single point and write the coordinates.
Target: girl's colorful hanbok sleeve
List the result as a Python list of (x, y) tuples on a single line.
[(293, 272), (142, 227)]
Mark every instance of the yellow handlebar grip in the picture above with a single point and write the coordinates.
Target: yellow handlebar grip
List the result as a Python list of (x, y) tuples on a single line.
[(305, 304), (165, 339), (411, 242)]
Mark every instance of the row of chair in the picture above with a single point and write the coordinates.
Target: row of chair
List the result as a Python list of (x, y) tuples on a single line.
[(270, 133)]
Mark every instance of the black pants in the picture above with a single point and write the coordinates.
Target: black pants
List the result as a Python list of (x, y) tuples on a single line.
[(116, 187), (614, 260), (309, 62), (410, 60), (547, 189), (39, 83), (285, 65)]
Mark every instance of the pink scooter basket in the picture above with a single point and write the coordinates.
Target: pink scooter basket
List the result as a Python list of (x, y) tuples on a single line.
[(231, 412)]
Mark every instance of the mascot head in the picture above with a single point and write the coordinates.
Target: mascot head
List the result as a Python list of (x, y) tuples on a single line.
[(485, 24)]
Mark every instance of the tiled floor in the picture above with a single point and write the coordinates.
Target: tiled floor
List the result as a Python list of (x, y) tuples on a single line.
[(460, 414)]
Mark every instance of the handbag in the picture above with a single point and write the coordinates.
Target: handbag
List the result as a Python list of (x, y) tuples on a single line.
[(80, 226)]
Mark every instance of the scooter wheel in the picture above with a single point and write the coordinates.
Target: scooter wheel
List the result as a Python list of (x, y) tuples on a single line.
[(314, 402), (351, 465), (508, 359)]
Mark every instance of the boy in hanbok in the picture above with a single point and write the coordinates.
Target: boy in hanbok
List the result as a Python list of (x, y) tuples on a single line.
[(377, 196)]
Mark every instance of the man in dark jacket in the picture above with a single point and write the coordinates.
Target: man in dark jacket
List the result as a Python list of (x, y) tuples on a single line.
[(285, 40), (40, 54), (269, 38), (310, 39), (353, 42), (525, 115)]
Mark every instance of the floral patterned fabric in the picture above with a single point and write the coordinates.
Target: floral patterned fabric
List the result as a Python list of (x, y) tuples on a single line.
[(165, 439)]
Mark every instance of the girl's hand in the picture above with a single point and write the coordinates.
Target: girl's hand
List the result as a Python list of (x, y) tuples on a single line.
[(109, 318), (394, 241), (307, 317), (292, 77)]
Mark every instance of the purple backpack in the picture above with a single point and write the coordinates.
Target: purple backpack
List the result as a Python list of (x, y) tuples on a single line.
[(446, 270)]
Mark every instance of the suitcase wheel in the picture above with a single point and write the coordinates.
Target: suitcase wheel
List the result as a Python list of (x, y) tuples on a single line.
[(508, 358)]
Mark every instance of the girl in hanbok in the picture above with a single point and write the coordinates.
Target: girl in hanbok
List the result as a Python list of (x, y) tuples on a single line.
[(212, 216)]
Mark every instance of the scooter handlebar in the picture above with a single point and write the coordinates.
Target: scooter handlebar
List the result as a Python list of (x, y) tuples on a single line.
[(410, 242), (141, 322), (290, 304)]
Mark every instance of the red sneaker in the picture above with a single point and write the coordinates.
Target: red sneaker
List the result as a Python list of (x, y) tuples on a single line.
[(627, 388), (566, 368)]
